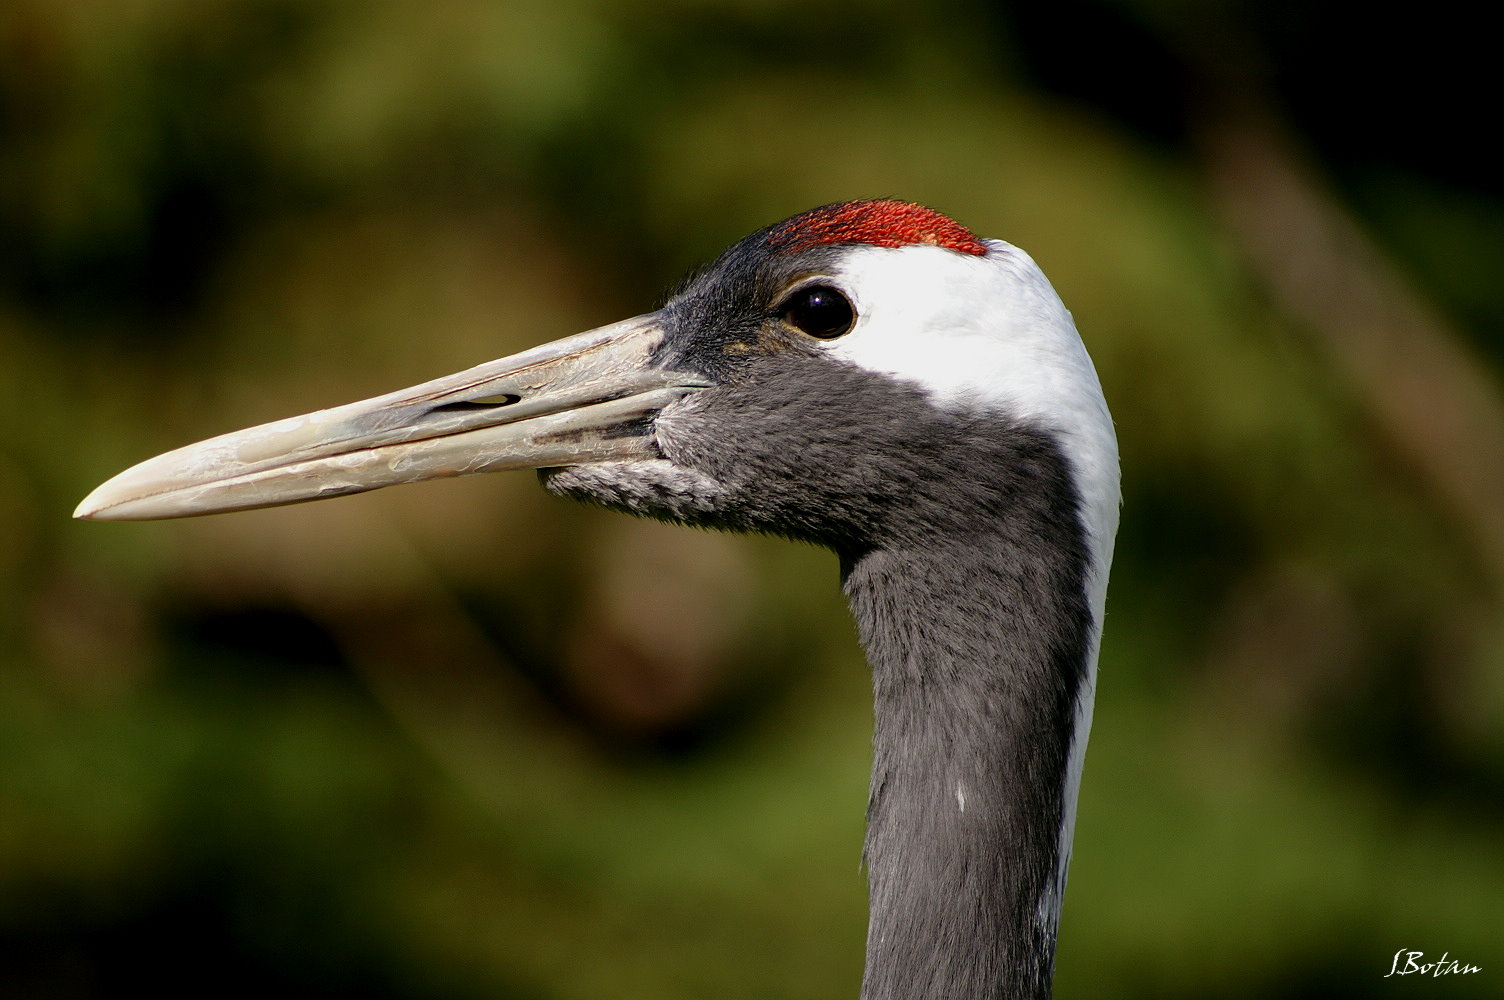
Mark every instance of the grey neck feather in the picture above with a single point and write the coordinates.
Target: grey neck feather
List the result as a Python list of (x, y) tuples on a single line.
[(978, 653)]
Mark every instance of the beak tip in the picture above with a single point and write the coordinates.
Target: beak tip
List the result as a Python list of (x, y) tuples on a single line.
[(94, 508), (89, 508), (113, 500)]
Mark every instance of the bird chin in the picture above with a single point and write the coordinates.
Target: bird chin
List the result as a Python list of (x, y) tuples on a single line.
[(647, 487)]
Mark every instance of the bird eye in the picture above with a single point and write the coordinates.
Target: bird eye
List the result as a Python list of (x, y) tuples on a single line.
[(818, 311)]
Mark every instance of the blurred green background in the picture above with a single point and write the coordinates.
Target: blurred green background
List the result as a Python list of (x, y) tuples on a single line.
[(463, 740)]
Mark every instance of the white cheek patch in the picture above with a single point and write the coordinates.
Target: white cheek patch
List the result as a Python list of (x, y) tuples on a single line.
[(987, 333), (990, 333), (972, 330)]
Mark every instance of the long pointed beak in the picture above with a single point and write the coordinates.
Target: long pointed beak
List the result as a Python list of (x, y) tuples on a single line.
[(586, 398)]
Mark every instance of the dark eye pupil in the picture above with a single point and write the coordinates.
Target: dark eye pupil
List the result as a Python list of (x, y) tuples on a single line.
[(819, 311)]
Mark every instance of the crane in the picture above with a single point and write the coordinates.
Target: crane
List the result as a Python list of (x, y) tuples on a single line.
[(872, 377)]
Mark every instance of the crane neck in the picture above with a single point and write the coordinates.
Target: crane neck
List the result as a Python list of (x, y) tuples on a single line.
[(982, 654)]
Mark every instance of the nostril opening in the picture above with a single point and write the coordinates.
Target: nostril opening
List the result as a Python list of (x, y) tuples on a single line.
[(483, 403)]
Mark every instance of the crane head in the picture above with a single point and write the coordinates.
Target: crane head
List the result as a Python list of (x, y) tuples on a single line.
[(820, 379)]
